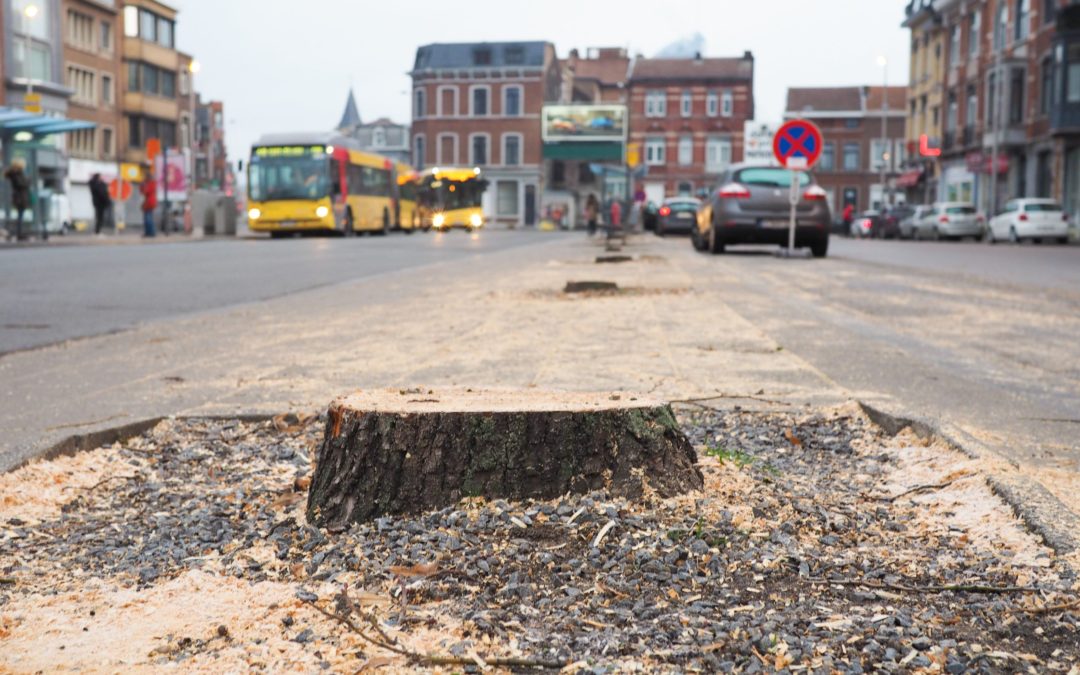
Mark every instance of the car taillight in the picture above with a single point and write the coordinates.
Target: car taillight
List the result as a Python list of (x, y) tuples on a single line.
[(665, 211), (943, 219), (1022, 217), (866, 224), (815, 193), (734, 191)]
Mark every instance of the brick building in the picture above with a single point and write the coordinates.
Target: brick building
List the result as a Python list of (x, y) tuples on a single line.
[(92, 67), (1007, 83), (688, 116), (479, 104), (598, 77), (850, 119)]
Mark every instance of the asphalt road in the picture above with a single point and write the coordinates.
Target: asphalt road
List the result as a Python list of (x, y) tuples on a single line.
[(52, 294)]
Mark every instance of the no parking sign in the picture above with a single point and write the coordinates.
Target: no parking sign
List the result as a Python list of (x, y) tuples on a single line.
[(797, 145)]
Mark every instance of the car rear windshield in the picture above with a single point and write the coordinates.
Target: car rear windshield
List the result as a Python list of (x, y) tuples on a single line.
[(960, 210), (1044, 206), (769, 176), (683, 206)]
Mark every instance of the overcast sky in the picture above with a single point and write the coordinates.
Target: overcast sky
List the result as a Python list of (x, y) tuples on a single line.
[(282, 65)]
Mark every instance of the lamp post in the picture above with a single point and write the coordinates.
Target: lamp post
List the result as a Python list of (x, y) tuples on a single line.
[(30, 13), (884, 63)]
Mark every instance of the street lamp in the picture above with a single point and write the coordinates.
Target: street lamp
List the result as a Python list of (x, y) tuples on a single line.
[(30, 13), (194, 67), (885, 156)]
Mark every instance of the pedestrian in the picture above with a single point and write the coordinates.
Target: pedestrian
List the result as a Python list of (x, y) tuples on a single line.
[(592, 213), (99, 195), (149, 204), (849, 215), (20, 193), (616, 216)]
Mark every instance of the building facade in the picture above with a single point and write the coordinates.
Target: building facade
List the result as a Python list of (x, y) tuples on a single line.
[(479, 105), (926, 89), (865, 136), (688, 117), (212, 169), (92, 68)]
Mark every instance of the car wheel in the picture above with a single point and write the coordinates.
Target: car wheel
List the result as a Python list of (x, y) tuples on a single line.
[(716, 244), (820, 248), (696, 240), (935, 234), (1014, 238), (1063, 240), (659, 230)]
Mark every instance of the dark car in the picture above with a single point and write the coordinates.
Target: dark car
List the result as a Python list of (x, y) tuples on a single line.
[(753, 207), (868, 225), (677, 215)]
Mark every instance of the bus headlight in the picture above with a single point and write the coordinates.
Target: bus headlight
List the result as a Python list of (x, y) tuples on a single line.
[(254, 214), (476, 220), (322, 212), (438, 221)]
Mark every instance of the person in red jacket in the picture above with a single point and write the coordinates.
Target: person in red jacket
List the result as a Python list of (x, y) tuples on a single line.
[(149, 204), (849, 215)]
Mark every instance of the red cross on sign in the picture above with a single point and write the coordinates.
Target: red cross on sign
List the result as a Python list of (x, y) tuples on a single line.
[(797, 145)]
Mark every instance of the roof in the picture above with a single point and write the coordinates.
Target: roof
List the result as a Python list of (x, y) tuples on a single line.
[(694, 69), (351, 117), (897, 98), (306, 138), (14, 120), (481, 55), (382, 122), (847, 100), (824, 99)]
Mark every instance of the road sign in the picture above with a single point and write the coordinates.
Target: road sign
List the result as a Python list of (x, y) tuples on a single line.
[(32, 102), (797, 145), (758, 143), (120, 189), (633, 155), (153, 149)]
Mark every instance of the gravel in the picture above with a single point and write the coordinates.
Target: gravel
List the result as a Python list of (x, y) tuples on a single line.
[(758, 573)]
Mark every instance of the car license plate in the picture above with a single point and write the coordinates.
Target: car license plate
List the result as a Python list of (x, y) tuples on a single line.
[(776, 224), (685, 216), (287, 223)]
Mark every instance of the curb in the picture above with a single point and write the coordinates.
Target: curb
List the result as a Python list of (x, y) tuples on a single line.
[(1042, 512)]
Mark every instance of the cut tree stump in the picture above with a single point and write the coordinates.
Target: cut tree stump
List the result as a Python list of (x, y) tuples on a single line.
[(403, 452)]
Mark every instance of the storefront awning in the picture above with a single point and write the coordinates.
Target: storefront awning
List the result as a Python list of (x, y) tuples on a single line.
[(909, 178), (14, 120)]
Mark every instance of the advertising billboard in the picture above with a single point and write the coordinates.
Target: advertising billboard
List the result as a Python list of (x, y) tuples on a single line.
[(758, 144), (584, 123)]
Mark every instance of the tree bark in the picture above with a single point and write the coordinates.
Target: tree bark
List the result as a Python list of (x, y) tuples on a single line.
[(404, 452)]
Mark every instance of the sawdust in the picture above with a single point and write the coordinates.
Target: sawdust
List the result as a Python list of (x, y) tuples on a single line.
[(36, 491)]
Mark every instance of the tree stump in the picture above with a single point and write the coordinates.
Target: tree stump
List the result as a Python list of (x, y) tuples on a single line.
[(405, 452)]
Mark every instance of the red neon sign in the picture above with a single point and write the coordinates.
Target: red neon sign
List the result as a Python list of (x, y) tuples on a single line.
[(924, 147)]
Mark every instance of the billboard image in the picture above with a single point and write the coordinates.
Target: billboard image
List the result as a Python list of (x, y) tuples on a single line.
[(577, 123)]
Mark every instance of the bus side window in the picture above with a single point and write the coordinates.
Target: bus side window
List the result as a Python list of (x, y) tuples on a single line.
[(335, 177)]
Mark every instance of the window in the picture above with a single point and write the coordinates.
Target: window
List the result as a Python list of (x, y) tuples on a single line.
[(447, 151), (142, 129), (108, 94), (991, 100), (855, 124), (83, 83), (134, 78), (686, 150), (727, 104), (878, 151), (686, 188), (1016, 96), (185, 83), (851, 156), (479, 155), (185, 131), (974, 34), (135, 138), (512, 101), (108, 144), (482, 57), (1001, 27), (82, 143), (165, 30), (419, 104), (972, 110), (954, 47), (506, 198), (147, 25), (514, 56), (717, 155), (899, 153), (480, 95), (687, 103), (106, 36), (131, 21), (40, 28), (448, 101), (952, 119), (1023, 19), (1049, 11), (828, 157), (654, 151), (656, 103), (511, 149), (1046, 91), (378, 137), (168, 84), (80, 30), (1072, 84), (712, 104), (419, 151)]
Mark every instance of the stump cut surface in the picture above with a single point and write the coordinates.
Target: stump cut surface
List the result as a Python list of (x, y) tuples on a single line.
[(409, 451)]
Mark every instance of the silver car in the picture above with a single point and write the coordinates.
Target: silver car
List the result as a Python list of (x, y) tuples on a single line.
[(950, 220), (910, 224), (752, 206)]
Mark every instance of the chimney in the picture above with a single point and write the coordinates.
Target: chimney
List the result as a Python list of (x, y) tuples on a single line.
[(748, 55)]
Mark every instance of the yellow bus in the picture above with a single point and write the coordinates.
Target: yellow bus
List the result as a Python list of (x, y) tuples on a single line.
[(408, 213), (319, 182), (451, 197)]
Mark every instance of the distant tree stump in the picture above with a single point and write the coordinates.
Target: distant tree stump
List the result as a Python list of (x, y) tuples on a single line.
[(405, 452)]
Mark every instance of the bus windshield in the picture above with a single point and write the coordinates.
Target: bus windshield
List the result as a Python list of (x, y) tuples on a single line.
[(280, 178), (448, 195)]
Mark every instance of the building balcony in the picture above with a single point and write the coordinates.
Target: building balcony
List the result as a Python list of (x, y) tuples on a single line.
[(967, 136), (1012, 135), (1065, 118)]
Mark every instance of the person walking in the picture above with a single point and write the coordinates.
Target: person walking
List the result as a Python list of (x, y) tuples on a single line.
[(849, 215), (20, 193), (592, 213), (149, 194), (99, 195)]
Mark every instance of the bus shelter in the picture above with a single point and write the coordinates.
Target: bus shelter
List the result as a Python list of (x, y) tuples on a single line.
[(24, 135)]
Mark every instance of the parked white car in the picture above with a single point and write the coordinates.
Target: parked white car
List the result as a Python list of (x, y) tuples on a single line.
[(909, 225), (1032, 219), (950, 220)]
